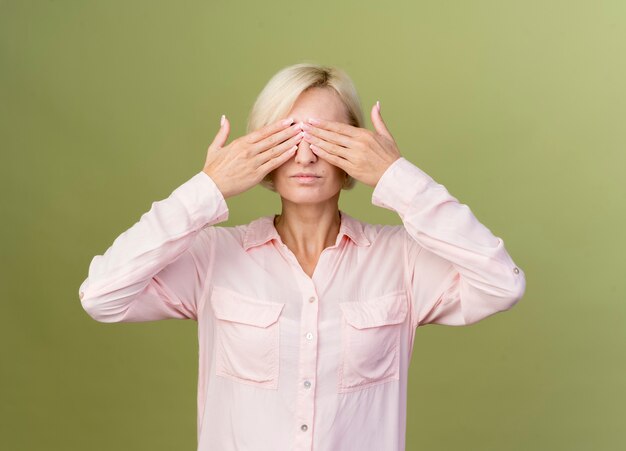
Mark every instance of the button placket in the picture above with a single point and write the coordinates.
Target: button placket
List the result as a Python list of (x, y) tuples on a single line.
[(307, 364), (307, 367)]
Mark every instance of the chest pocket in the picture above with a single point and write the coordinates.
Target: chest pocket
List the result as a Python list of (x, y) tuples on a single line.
[(247, 337), (370, 341)]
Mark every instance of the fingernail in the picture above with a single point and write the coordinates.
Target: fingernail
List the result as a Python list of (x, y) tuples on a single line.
[(288, 121), (313, 121), (378, 105), (222, 120)]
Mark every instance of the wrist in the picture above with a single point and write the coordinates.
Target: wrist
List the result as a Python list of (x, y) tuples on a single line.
[(221, 185)]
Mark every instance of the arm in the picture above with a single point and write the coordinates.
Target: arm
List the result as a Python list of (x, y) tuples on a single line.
[(158, 268), (458, 272)]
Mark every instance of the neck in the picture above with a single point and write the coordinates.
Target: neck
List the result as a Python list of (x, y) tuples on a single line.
[(308, 229)]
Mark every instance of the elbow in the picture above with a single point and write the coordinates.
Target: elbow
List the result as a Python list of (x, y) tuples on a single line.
[(87, 302), (99, 309), (97, 305), (90, 303), (93, 308), (516, 289), (486, 303)]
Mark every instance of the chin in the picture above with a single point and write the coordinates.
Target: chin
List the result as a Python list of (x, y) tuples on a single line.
[(307, 194), (308, 197)]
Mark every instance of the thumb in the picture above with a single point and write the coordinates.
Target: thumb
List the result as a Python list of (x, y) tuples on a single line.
[(222, 134), (377, 121)]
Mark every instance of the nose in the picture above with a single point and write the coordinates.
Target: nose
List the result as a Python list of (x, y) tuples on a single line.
[(304, 154)]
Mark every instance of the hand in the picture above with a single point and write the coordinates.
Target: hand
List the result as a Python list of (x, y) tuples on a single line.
[(246, 160), (363, 154)]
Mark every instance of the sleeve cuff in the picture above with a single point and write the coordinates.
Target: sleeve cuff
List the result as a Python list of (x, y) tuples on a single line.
[(203, 199), (399, 185)]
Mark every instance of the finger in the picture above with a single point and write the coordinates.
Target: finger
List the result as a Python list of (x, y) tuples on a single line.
[(279, 149), (329, 136), (332, 159), (377, 121), (327, 146), (222, 133), (276, 138), (333, 126), (276, 161), (268, 130)]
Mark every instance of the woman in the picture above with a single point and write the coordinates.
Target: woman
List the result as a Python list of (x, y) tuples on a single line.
[(306, 319)]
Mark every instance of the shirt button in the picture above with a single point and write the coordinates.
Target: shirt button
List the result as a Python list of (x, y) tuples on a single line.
[(312, 299), (309, 336), (516, 270), (307, 384), (304, 427)]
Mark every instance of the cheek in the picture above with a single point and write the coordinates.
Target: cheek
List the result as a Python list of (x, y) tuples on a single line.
[(339, 175), (333, 172), (278, 172)]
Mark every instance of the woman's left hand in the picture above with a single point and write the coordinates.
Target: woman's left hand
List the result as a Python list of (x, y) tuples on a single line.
[(362, 153)]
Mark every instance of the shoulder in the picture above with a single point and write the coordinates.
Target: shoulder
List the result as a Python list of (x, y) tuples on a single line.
[(236, 232), (375, 231), (255, 232), (378, 233)]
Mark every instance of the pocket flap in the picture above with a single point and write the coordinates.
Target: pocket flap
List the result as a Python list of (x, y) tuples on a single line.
[(231, 306), (384, 310)]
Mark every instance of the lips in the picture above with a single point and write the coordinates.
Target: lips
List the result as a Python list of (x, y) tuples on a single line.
[(305, 175)]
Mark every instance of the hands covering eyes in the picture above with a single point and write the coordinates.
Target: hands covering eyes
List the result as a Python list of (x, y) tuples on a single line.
[(246, 160), (362, 153), (240, 165)]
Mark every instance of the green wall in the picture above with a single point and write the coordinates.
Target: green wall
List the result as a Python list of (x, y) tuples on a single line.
[(517, 107)]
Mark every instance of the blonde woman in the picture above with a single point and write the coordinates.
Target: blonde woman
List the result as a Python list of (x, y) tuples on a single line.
[(306, 318)]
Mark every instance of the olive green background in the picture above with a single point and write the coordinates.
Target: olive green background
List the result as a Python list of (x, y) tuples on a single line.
[(518, 108)]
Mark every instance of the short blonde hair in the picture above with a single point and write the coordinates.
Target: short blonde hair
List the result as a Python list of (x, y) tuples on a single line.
[(283, 89)]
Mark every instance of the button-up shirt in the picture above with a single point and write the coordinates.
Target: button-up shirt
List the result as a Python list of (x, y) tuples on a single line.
[(290, 362)]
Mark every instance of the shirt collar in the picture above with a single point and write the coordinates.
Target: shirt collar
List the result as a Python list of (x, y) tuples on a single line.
[(262, 230)]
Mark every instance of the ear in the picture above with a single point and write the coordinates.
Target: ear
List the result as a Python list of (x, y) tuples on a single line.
[(377, 121)]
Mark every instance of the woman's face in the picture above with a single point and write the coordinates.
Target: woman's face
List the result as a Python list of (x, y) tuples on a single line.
[(323, 103)]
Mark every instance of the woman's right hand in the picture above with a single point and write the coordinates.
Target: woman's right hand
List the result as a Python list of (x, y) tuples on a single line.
[(246, 160)]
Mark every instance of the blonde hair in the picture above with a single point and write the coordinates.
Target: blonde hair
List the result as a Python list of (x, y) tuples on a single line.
[(283, 89)]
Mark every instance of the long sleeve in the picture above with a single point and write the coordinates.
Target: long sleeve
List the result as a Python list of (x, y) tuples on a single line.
[(458, 271), (158, 268)]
